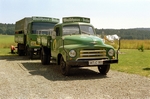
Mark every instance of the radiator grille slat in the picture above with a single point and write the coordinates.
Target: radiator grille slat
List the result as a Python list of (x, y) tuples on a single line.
[(93, 53)]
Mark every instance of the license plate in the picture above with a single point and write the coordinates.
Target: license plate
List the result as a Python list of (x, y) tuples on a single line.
[(96, 62)]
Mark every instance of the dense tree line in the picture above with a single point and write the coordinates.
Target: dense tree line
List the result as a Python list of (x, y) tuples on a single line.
[(136, 33), (7, 29)]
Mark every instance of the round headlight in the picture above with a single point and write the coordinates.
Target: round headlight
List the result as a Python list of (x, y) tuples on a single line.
[(72, 53), (111, 52)]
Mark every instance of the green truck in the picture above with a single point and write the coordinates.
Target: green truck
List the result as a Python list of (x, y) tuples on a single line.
[(26, 31), (74, 43)]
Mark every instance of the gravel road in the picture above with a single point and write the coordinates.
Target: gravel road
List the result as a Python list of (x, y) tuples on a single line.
[(21, 78)]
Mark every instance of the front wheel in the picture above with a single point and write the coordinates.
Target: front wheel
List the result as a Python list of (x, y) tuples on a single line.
[(64, 67), (104, 69)]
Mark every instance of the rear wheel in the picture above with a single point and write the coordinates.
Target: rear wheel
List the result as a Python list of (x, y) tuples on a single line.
[(104, 69), (21, 51), (65, 69)]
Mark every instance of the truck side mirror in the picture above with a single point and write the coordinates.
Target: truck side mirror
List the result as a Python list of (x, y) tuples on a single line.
[(53, 35)]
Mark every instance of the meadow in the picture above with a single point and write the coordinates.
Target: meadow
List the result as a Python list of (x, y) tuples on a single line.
[(131, 60), (6, 41), (131, 44), (133, 56)]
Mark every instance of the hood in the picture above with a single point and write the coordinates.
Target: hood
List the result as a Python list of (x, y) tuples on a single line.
[(84, 40)]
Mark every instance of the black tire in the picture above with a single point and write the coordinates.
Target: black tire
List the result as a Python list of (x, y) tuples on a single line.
[(45, 56), (29, 52), (21, 52), (65, 69), (48, 59), (104, 69)]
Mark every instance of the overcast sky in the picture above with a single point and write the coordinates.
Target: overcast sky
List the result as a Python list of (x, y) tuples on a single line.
[(115, 14)]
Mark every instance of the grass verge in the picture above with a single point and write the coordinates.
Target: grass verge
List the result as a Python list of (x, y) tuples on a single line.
[(133, 61), (6, 41), (6, 52)]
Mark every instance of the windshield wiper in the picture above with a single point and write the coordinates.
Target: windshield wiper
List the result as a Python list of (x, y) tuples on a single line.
[(74, 33), (85, 32)]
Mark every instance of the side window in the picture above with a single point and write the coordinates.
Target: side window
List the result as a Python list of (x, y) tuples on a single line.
[(57, 31)]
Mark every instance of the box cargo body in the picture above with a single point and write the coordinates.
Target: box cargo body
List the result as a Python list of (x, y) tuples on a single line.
[(21, 30), (22, 25)]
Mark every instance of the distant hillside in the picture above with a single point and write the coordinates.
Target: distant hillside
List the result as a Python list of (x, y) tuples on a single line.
[(145, 29)]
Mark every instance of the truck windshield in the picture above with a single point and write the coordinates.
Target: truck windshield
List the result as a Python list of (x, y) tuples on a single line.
[(85, 29), (70, 29), (74, 29), (42, 27), (44, 32)]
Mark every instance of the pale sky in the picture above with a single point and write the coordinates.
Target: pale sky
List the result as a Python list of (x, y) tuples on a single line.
[(106, 14)]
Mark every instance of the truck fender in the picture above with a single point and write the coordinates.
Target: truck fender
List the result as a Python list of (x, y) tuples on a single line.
[(63, 53)]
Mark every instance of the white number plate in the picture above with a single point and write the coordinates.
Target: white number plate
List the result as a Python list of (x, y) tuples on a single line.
[(96, 62)]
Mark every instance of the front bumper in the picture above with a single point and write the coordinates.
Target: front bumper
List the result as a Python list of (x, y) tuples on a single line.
[(84, 63)]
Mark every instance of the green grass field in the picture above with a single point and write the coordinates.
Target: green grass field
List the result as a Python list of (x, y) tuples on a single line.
[(131, 44), (6, 41), (5, 52), (131, 60)]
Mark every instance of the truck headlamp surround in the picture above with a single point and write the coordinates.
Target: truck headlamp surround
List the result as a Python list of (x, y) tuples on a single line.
[(72, 53), (111, 52)]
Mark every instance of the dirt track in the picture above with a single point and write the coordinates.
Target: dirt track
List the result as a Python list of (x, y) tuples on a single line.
[(21, 78)]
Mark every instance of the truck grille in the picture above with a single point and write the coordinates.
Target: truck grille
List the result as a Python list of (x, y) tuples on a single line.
[(93, 54)]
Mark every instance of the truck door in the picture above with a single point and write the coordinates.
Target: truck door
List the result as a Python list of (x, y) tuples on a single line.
[(56, 42)]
